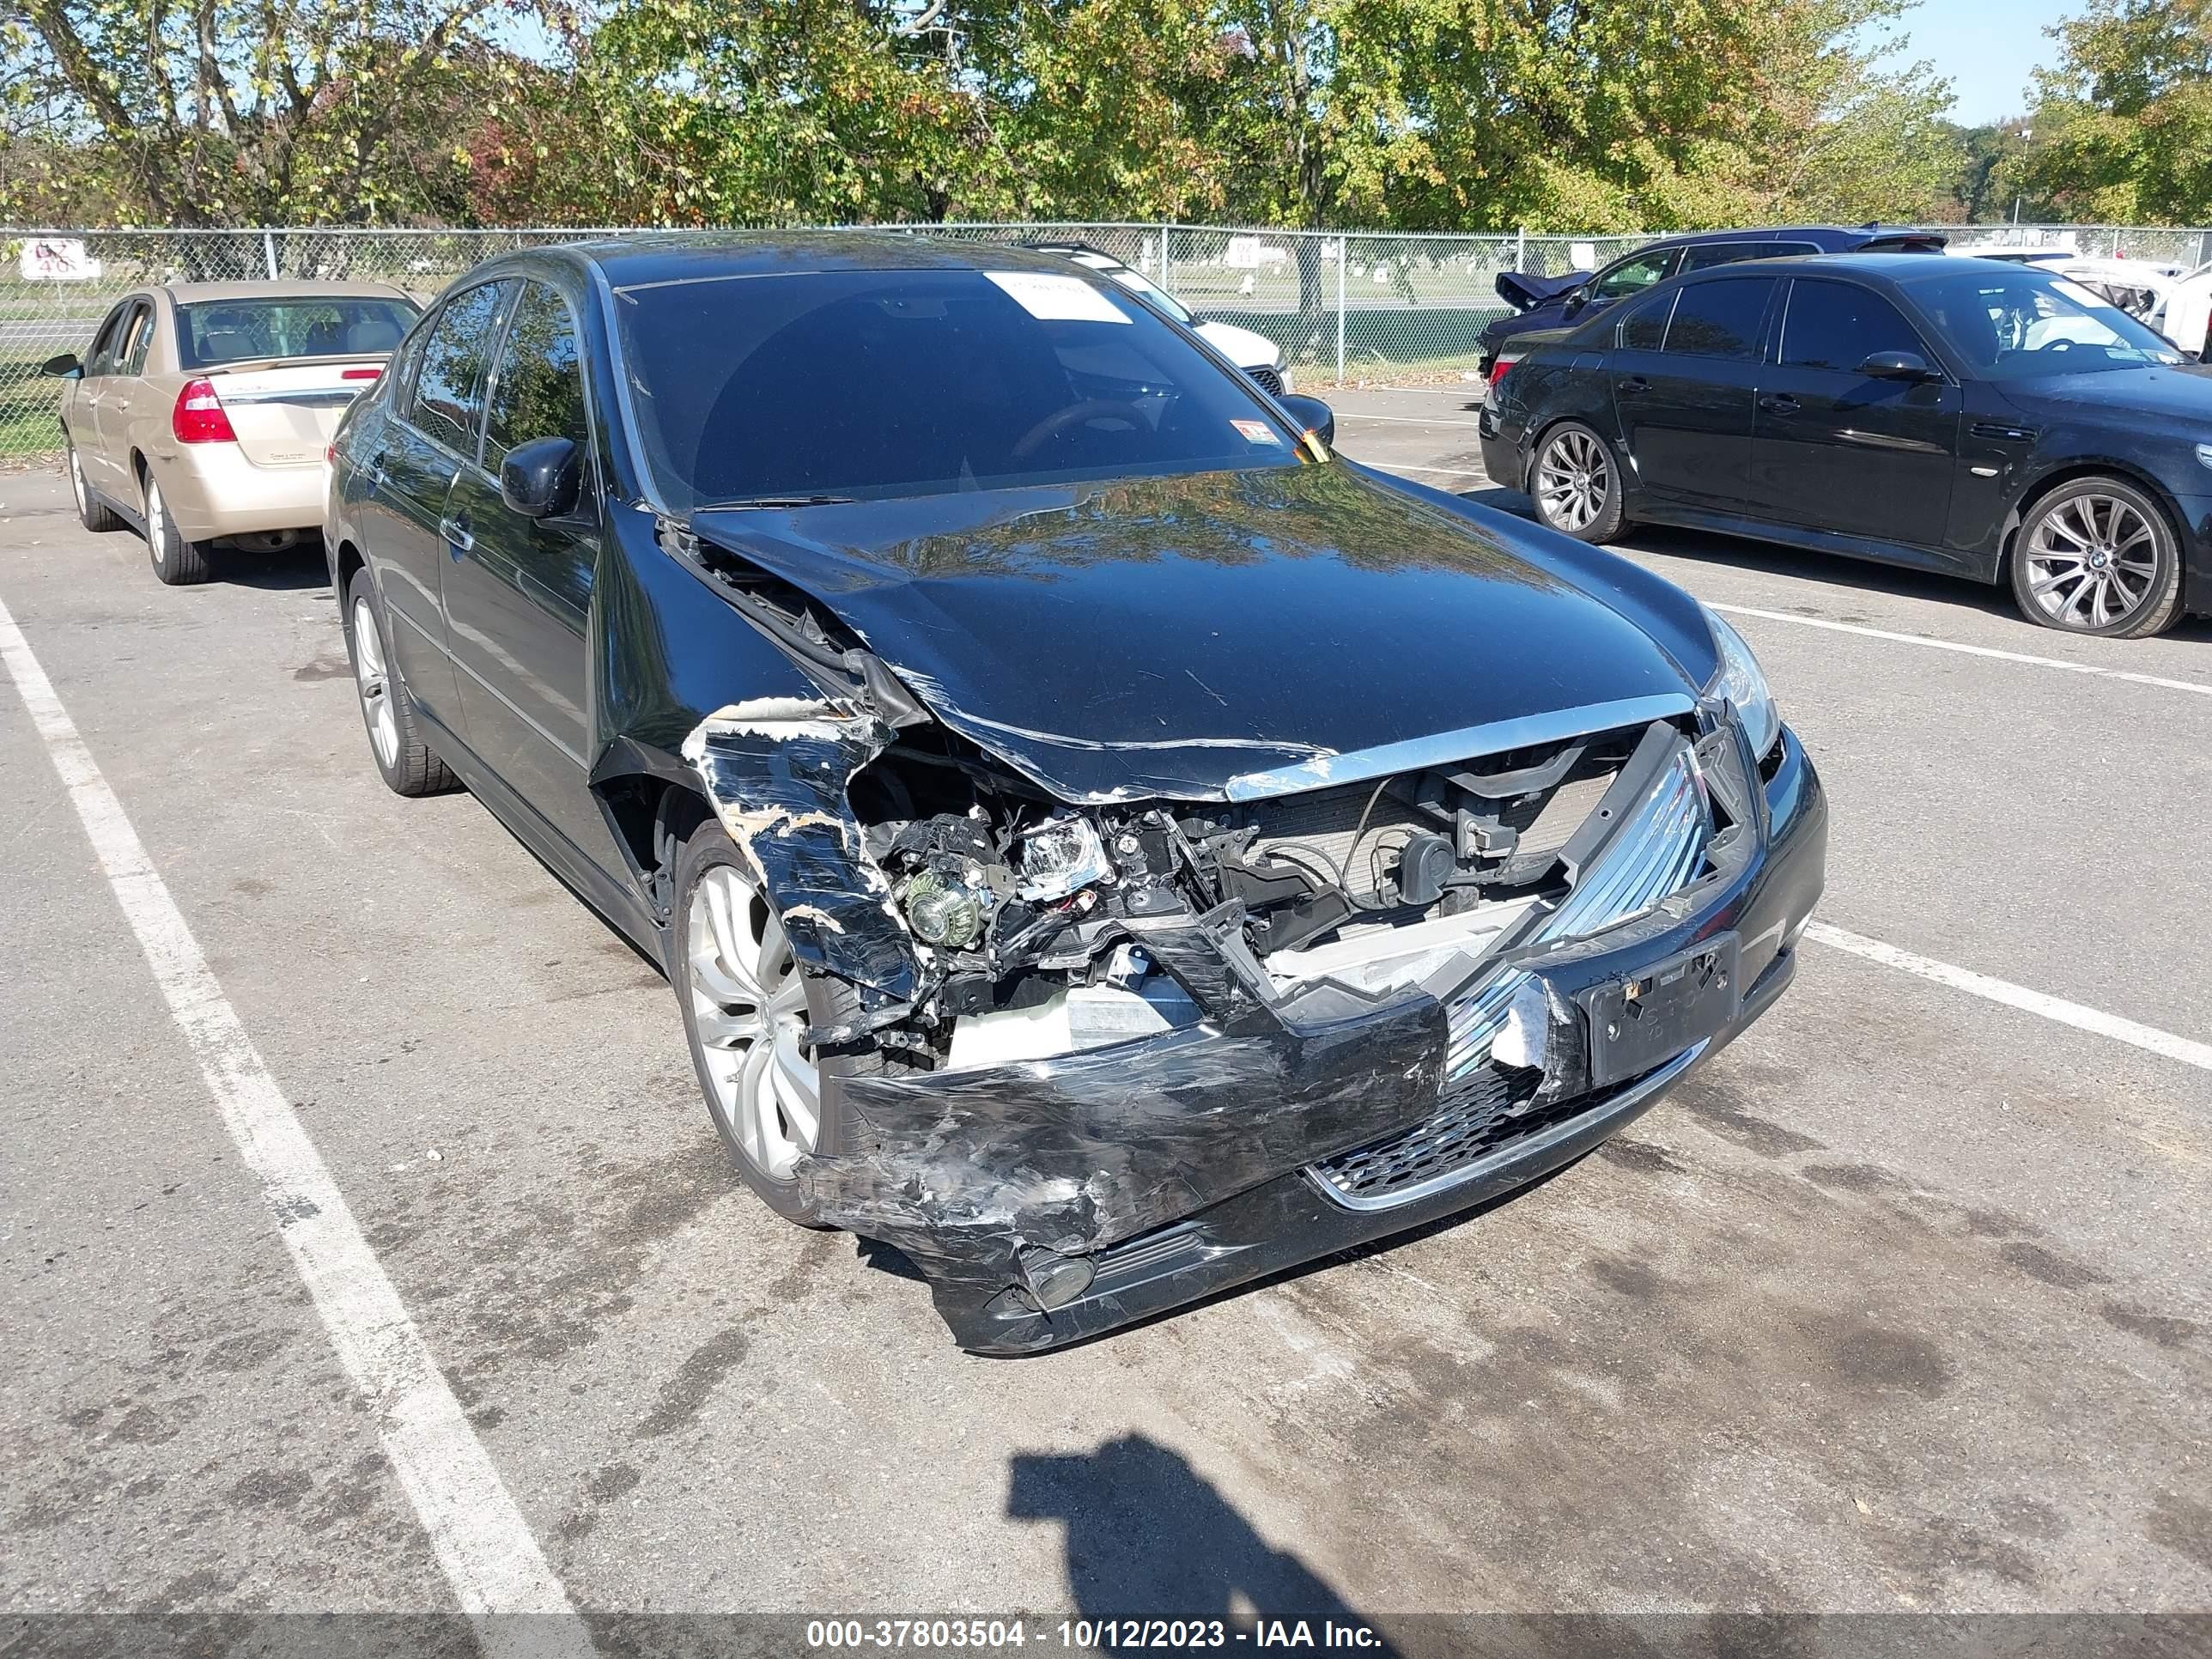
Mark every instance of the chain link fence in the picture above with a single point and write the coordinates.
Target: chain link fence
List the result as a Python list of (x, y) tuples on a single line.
[(1356, 308)]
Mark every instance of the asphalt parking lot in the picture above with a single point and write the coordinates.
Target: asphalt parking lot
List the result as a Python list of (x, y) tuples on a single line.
[(1901, 1305)]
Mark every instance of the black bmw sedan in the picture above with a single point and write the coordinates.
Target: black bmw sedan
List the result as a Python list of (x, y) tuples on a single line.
[(1102, 843), (1963, 415)]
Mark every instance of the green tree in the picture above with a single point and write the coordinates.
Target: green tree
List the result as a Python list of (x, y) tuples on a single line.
[(2122, 125), (201, 112)]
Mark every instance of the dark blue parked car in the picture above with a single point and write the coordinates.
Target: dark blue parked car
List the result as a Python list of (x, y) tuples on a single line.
[(1554, 301)]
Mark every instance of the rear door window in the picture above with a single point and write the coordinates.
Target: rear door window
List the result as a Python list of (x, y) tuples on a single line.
[(448, 397), (1729, 254), (1644, 327), (1635, 274), (1839, 326), (538, 389), (1720, 319)]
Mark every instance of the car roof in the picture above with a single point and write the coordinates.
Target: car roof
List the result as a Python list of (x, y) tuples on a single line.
[(635, 261), (1888, 267), (1842, 236), (191, 292)]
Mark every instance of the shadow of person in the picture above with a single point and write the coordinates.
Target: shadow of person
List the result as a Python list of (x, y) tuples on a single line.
[(1147, 1537)]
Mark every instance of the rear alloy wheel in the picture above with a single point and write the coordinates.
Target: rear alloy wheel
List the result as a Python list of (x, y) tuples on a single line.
[(395, 736), (176, 561), (2097, 556), (1576, 486), (92, 513)]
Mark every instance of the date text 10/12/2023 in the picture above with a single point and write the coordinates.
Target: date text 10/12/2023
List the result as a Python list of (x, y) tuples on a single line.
[(1082, 1635)]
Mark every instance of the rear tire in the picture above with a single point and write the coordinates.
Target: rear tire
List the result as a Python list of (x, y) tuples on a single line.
[(2097, 556), (1574, 482), (395, 732), (92, 513), (176, 561), (745, 1002)]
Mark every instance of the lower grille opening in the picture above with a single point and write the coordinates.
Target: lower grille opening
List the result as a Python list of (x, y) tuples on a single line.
[(1271, 381), (1481, 1119)]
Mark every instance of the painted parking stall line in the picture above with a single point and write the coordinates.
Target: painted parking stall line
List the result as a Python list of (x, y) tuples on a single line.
[(1991, 651), (478, 1534), (2150, 1038)]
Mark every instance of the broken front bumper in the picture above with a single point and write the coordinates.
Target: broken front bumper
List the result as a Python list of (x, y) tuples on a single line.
[(1052, 1200)]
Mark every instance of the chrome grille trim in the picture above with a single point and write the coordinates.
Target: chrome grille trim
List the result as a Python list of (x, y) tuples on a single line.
[(1657, 851)]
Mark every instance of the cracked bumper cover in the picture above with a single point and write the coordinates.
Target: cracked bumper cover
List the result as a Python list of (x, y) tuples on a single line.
[(1176, 1166)]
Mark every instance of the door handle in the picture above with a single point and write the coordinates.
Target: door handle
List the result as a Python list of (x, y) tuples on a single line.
[(1635, 386), (456, 532), (1780, 403)]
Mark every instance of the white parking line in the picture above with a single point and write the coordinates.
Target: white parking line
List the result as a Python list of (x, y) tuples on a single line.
[(2146, 1037), (480, 1537), (1343, 415), (1969, 650), (1444, 471)]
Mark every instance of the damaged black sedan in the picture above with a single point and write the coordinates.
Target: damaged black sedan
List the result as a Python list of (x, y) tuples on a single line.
[(1103, 843)]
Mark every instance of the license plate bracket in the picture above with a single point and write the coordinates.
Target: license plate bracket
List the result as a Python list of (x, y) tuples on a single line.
[(1647, 1019)]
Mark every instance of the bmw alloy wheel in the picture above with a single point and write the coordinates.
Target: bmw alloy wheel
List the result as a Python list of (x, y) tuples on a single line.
[(749, 1003), (375, 684), (1573, 481), (2092, 562)]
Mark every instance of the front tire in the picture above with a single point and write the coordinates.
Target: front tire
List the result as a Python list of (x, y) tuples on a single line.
[(1575, 485), (746, 1004), (2097, 556), (395, 732), (177, 563), (92, 513)]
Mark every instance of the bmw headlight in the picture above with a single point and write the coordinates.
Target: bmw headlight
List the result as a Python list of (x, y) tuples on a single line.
[(1740, 680)]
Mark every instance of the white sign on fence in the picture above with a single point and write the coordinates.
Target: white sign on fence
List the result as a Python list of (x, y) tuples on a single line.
[(58, 259)]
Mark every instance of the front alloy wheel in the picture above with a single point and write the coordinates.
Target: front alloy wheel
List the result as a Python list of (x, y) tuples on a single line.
[(2098, 557), (748, 1007), (1576, 486)]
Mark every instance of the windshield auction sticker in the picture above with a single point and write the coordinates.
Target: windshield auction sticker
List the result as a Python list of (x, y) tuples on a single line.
[(1051, 299), (1257, 432)]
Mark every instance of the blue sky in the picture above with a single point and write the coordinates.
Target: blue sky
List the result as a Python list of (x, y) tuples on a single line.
[(1986, 48)]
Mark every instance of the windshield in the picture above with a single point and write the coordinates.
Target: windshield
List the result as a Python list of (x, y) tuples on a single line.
[(1137, 283), (865, 384), (2013, 324), (213, 331)]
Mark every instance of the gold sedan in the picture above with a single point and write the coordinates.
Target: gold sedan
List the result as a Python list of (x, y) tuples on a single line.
[(200, 415)]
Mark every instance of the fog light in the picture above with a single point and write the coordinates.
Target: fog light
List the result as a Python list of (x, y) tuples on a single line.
[(1055, 1281), (2205, 453), (941, 913)]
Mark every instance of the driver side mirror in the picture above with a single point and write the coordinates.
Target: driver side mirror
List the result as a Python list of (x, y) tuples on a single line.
[(1575, 299), (63, 368), (1898, 366), (1314, 416), (541, 479)]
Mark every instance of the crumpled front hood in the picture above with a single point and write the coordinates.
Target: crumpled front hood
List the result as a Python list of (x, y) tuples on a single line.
[(1524, 291), (1169, 636)]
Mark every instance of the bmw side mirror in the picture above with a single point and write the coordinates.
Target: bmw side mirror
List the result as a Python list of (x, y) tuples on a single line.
[(63, 368), (541, 479), (1314, 416), (1898, 366)]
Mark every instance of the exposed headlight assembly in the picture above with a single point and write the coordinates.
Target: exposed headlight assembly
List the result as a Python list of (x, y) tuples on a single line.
[(1743, 684)]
